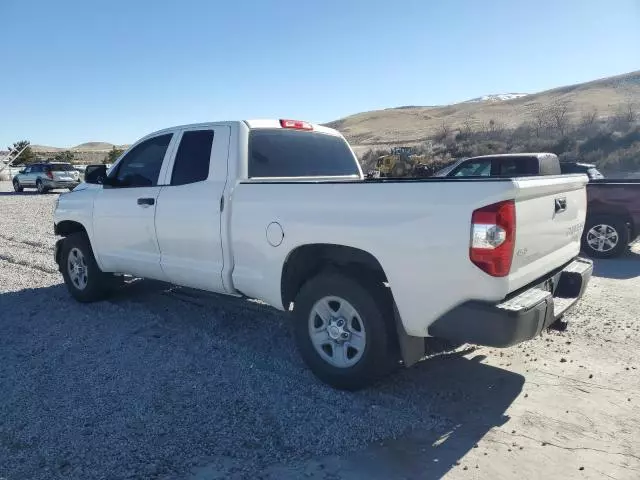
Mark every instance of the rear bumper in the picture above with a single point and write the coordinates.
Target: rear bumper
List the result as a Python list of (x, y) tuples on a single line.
[(61, 183), (520, 317)]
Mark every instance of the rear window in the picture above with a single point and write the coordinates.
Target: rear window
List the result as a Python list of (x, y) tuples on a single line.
[(292, 153), (59, 167)]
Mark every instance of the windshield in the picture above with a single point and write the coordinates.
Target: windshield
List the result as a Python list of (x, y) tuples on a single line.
[(292, 153)]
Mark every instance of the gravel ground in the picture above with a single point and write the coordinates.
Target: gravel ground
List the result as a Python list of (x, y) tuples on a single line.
[(165, 382)]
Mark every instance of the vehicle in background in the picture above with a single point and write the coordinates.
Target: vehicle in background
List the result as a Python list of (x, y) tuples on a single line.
[(588, 169), (46, 176), (504, 165), (399, 163), (279, 211), (613, 217)]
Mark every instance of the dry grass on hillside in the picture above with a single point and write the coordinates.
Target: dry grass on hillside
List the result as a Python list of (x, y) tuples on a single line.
[(410, 125)]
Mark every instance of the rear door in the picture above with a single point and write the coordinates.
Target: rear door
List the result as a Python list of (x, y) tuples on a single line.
[(550, 215), (34, 173), (190, 204), (124, 212)]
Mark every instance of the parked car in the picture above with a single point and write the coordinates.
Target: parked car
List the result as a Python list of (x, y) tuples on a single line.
[(46, 176), (279, 211), (613, 217), (588, 169), (504, 165)]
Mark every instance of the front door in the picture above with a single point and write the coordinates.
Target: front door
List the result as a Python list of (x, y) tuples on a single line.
[(188, 216), (124, 211)]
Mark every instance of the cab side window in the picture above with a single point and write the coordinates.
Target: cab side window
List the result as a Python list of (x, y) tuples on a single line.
[(514, 167), (141, 166), (193, 157)]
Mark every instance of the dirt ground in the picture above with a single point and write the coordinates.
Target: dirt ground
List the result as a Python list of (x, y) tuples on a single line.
[(160, 382)]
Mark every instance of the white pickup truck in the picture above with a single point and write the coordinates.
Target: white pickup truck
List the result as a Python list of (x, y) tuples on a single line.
[(279, 211)]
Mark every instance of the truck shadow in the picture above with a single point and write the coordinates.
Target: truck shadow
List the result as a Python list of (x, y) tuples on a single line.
[(164, 350), (622, 268)]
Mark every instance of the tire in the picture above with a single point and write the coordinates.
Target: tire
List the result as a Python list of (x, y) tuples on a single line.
[(398, 171), (90, 284), (366, 352), (16, 186), (40, 186), (616, 236)]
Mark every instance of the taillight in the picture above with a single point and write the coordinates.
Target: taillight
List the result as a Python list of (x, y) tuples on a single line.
[(296, 124), (50, 174), (493, 236)]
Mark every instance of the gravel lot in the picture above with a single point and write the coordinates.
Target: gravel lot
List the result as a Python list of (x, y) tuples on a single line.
[(164, 382)]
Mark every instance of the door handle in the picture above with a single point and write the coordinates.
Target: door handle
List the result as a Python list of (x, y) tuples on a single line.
[(146, 201), (561, 204)]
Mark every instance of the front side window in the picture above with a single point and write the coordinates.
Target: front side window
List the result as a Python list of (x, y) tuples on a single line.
[(141, 166), (193, 158), (477, 168)]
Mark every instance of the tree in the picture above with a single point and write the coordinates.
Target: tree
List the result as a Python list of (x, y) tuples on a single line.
[(589, 118), (113, 155), (443, 132), (630, 112), (26, 156), (66, 156), (468, 124), (540, 120), (558, 111)]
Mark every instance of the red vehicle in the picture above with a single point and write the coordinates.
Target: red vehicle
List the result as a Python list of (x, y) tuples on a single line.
[(613, 217)]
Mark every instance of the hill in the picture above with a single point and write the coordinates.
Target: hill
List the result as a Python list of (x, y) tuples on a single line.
[(414, 124)]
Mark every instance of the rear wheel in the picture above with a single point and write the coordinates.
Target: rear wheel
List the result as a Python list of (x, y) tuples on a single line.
[(40, 186), (341, 331), (605, 236), (16, 185), (84, 279)]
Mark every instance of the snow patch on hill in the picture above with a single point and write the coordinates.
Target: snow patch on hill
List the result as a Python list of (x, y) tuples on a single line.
[(498, 97)]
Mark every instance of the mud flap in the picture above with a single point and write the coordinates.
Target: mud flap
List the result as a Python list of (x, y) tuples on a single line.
[(412, 349)]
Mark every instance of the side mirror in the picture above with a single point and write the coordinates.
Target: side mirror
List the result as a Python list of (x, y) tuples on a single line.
[(21, 171), (95, 174)]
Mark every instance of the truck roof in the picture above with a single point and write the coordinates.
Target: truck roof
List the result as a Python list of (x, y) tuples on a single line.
[(256, 124)]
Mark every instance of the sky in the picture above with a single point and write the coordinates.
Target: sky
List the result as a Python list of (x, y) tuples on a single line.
[(75, 71)]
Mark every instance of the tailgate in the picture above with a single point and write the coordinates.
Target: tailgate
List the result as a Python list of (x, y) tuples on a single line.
[(550, 215), (64, 175)]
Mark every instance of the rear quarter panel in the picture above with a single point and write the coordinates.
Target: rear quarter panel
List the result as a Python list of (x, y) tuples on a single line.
[(418, 231)]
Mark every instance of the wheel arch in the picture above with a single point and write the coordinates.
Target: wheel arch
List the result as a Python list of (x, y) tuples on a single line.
[(306, 261), (65, 228)]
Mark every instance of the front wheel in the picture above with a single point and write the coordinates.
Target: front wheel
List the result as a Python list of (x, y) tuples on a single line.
[(605, 236), (16, 186), (341, 331), (84, 279)]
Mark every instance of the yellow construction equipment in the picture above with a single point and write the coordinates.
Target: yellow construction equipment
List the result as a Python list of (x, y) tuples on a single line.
[(399, 163)]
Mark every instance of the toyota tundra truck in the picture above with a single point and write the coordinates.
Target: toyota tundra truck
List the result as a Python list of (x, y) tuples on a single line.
[(279, 210)]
